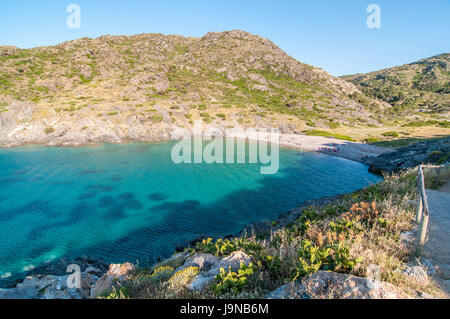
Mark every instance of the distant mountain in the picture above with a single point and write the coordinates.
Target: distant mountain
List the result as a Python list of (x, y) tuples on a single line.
[(116, 88), (422, 86)]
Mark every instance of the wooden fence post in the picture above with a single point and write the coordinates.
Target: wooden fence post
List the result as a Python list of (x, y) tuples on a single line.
[(419, 188), (422, 234), (437, 177)]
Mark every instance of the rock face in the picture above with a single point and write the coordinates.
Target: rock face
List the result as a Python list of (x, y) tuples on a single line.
[(330, 285), (116, 273), (428, 152), (58, 284), (49, 287)]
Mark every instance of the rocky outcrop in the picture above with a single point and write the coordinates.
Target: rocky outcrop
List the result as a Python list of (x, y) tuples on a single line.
[(50, 287), (331, 285), (426, 152), (117, 274)]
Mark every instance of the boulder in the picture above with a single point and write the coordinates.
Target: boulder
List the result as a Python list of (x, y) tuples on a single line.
[(331, 285), (48, 287), (117, 273), (204, 262), (323, 284), (293, 290), (121, 271), (232, 262)]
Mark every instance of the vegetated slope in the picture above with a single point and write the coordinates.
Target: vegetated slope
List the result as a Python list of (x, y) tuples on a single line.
[(422, 86), (117, 88)]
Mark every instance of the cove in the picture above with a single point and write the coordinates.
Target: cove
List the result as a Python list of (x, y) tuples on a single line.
[(129, 202)]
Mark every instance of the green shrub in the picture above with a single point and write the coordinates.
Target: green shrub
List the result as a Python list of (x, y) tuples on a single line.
[(327, 134), (182, 277), (162, 273), (156, 118), (311, 259), (311, 123), (117, 293), (49, 130), (229, 281), (390, 134), (421, 123), (371, 140), (333, 125), (223, 247)]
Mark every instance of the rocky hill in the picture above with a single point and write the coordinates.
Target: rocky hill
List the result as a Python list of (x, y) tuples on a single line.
[(422, 86), (118, 88)]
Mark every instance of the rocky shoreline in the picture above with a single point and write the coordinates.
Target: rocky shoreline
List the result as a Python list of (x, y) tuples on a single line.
[(436, 151)]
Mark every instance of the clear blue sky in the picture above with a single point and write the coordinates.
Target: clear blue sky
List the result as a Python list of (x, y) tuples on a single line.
[(329, 34)]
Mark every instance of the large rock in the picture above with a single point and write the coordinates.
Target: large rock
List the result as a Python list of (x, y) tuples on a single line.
[(232, 262), (121, 271), (52, 287), (116, 273), (293, 290), (331, 285), (204, 262)]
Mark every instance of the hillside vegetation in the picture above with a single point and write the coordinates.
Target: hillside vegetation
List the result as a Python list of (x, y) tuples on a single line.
[(419, 87), (119, 88)]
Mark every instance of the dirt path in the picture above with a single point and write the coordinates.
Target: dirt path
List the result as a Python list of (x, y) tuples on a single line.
[(437, 247)]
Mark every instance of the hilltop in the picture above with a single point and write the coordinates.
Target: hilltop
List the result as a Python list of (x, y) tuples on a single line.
[(116, 88), (419, 87), (121, 88)]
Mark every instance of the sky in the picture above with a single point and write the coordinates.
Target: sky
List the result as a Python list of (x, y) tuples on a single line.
[(332, 35)]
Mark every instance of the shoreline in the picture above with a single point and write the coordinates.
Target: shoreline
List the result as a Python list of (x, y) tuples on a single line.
[(350, 150)]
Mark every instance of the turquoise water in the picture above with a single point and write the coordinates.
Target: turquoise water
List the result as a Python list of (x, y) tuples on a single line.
[(130, 202)]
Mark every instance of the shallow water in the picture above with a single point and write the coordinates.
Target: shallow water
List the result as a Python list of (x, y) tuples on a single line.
[(129, 202)]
